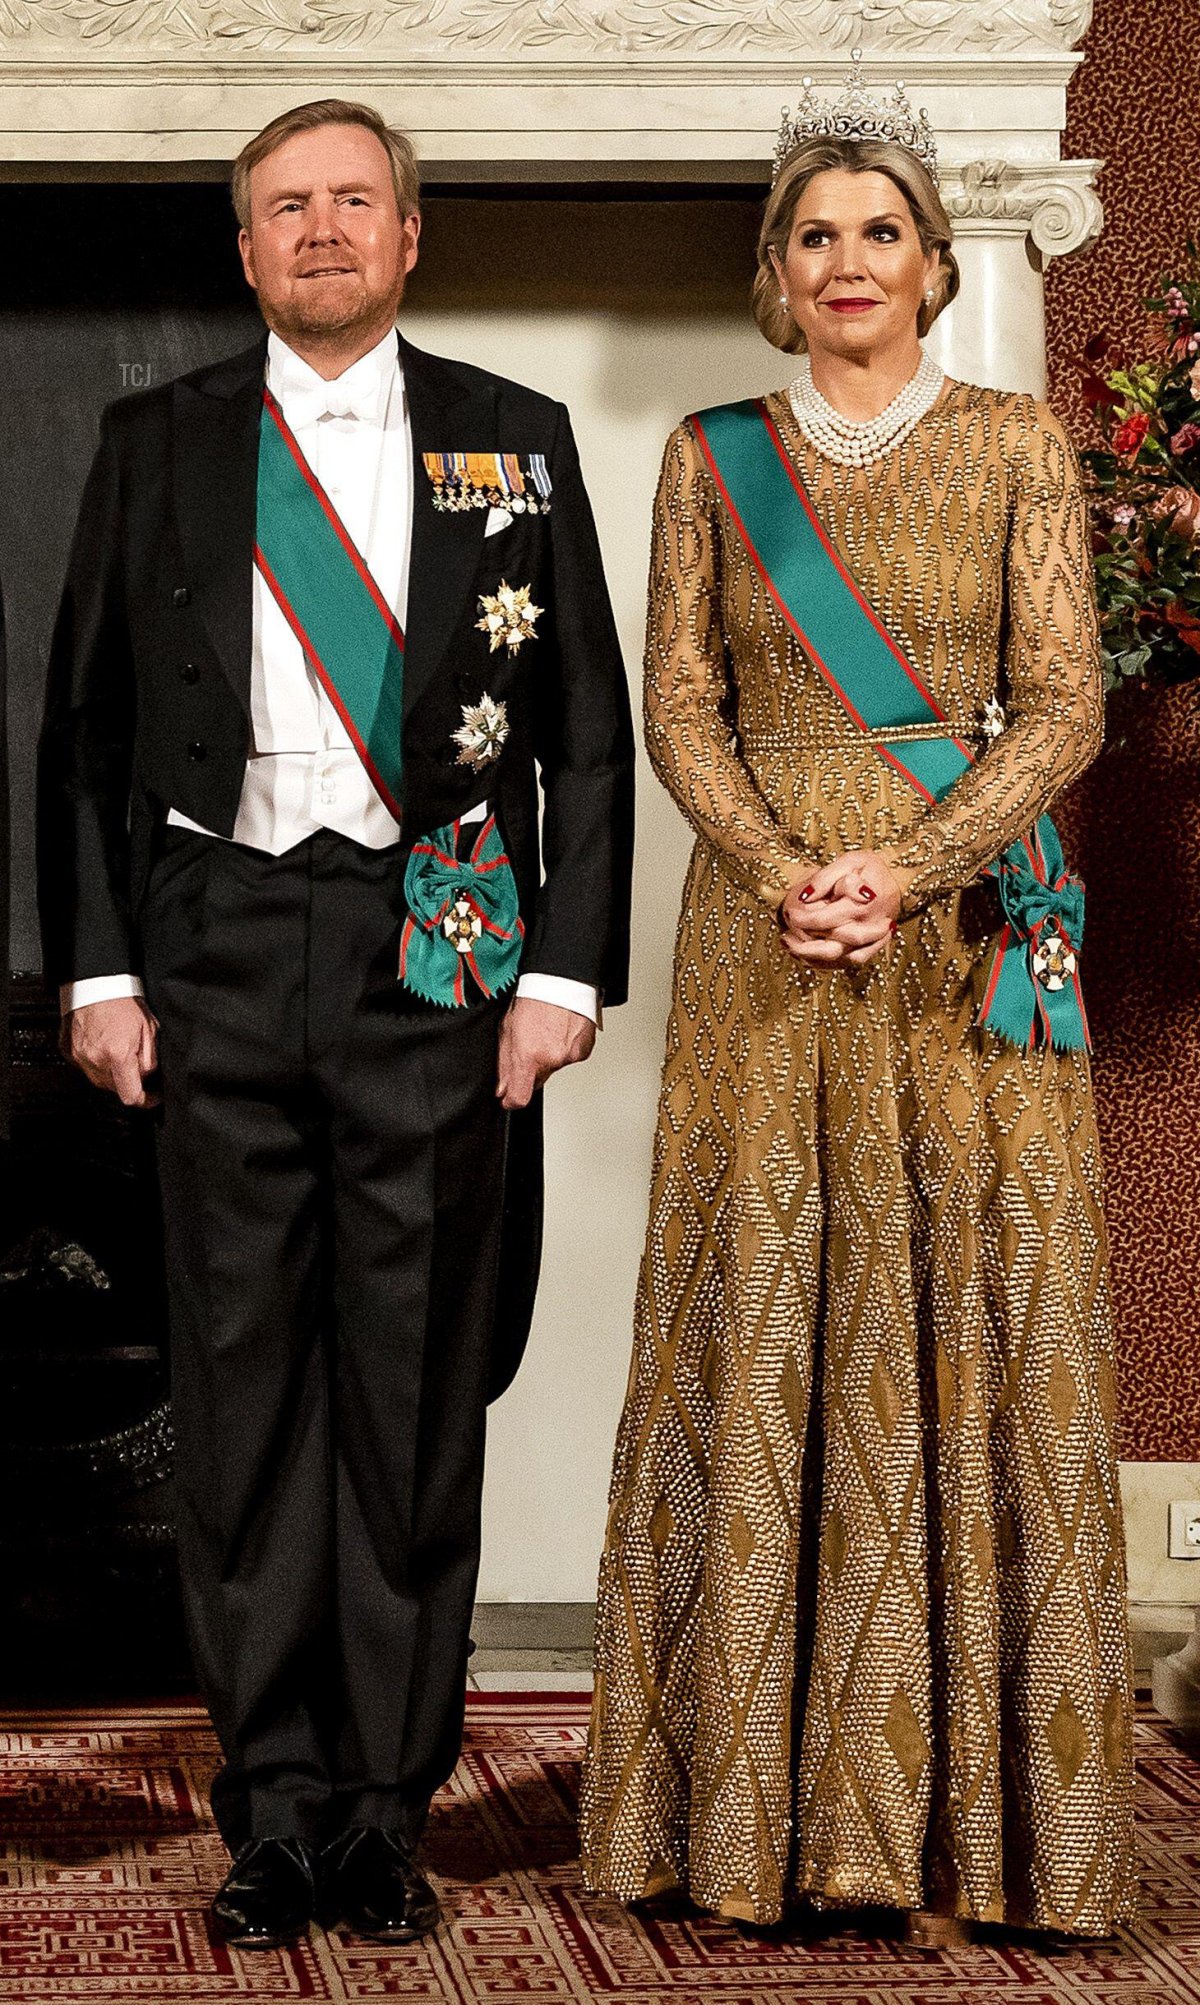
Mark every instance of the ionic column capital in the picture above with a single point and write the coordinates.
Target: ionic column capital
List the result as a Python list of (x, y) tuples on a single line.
[(1056, 205)]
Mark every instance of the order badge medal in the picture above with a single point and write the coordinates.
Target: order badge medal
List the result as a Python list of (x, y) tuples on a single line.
[(483, 733), (462, 926), (1053, 962), (509, 617)]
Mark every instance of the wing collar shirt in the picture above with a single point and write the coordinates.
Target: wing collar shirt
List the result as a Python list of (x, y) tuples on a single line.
[(303, 773)]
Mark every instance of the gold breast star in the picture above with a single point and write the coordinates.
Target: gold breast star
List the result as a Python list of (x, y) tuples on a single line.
[(483, 733), (508, 618)]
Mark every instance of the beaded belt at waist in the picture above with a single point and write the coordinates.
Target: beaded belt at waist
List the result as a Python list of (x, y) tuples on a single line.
[(895, 734)]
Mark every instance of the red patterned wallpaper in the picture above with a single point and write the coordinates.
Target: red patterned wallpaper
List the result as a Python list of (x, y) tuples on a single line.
[(1133, 825), (1135, 104)]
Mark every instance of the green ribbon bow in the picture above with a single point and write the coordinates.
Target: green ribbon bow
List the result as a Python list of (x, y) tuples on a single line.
[(462, 918), (1043, 904)]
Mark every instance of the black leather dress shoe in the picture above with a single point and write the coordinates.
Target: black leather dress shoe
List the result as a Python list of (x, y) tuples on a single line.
[(269, 1896), (375, 1887)]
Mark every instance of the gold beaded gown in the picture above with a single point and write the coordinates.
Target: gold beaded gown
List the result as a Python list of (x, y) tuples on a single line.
[(862, 1628)]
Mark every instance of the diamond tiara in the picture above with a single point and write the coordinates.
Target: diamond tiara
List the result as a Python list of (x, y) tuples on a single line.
[(855, 115)]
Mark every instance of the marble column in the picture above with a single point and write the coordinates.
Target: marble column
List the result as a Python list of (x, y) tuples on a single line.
[(1008, 223), (1175, 1681)]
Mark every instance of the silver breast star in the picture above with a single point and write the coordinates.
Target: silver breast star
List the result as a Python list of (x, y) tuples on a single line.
[(483, 733), (995, 723)]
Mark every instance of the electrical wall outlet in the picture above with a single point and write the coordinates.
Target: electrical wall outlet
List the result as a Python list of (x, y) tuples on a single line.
[(1183, 1533)]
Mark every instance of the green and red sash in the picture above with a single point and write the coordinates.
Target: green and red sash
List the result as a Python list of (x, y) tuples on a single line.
[(879, 688), (321, 584)]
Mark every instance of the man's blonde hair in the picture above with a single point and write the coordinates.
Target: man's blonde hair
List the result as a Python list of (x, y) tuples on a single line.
[(856, 156), (406, 178)]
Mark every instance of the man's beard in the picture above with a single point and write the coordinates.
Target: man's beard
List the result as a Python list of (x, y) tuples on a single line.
[(315, 309)]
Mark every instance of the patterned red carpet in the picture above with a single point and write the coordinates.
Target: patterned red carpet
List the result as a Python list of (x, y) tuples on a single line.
[(109, 1858)]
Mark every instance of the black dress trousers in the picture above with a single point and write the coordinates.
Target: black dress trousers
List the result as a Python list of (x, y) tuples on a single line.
[(332, 1158)]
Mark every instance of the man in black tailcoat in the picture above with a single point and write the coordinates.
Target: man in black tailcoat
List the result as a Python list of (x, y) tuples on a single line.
[(332, 607)]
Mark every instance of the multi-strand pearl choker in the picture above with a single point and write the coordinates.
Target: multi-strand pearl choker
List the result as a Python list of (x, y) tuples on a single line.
[(847, 440)]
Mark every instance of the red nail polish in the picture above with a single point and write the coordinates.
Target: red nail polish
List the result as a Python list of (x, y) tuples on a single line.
[(892, 927), (807, 892), (865, 892)]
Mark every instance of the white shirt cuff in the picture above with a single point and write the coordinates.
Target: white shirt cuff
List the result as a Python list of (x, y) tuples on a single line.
[(579, 996), (98, 988)]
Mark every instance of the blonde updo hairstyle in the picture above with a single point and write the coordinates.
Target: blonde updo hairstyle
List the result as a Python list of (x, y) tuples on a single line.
[(856, 156)]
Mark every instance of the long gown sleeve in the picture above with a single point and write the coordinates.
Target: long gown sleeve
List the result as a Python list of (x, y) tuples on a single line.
[(1054, 692), (689, 698)]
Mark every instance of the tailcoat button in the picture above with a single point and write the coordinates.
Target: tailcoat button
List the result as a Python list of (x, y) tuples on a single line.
[(196, 751), (189, 672), (181, 596)]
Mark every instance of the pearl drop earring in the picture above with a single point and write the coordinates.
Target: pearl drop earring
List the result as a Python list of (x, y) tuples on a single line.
[(783, 299)]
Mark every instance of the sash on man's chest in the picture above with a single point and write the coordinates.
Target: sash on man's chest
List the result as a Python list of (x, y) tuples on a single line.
[(350, 636)]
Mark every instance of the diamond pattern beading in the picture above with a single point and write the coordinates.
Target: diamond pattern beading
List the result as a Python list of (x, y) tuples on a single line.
[(873, 1343)]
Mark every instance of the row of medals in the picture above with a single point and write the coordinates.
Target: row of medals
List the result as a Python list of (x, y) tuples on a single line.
[(455, 499)]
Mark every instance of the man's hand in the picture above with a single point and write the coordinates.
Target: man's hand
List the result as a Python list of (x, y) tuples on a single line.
[(537, 1039), (845, 914), (115, 1044)]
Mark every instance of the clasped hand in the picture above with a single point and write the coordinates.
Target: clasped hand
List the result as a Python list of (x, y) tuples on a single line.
[(844, 914)]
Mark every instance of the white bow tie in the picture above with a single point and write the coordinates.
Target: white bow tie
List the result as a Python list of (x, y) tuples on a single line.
[(327, 400)]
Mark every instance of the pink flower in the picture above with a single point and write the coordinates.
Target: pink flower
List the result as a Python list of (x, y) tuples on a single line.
[(1194, 382), (1175, 304), (1123, 515), (1186, 439), (1179, 508)]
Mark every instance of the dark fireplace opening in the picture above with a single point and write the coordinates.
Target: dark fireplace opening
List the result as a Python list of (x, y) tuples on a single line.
[(113, 288)]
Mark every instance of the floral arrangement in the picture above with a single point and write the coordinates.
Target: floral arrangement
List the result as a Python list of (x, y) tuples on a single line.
[(1145, 490)]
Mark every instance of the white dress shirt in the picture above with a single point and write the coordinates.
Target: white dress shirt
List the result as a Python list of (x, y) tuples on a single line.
[(302, 773)]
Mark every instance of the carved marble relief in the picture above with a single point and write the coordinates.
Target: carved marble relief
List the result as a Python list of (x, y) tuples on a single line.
[(438, 29)]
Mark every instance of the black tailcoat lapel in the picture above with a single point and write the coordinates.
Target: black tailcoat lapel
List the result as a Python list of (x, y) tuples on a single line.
[(448, 412), (216, 421)]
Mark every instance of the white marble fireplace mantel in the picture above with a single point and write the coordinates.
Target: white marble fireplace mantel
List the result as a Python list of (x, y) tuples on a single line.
[(586, 91), (504, 91)]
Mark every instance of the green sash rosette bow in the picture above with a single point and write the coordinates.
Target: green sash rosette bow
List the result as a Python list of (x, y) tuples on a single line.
[(1032, 992), (1032, 988), (462, 918)]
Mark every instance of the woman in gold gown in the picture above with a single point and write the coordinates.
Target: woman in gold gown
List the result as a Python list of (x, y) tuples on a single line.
[(861, 1629)]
